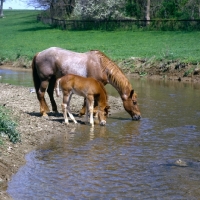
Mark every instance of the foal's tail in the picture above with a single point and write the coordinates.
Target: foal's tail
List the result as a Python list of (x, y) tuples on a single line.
[(57, 87), (36, 79)]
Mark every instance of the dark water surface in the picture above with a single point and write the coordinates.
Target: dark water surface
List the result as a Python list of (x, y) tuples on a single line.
[(157, 157)]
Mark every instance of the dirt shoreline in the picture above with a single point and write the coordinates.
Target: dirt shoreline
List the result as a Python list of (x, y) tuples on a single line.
[(35, 130)]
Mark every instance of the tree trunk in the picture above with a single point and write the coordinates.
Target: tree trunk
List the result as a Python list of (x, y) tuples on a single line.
[(1, 9), (148, 12), (199, 10)]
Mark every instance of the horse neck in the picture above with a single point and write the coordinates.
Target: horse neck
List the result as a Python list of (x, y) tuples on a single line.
[(117, 79), (114, 74), (120, 83)]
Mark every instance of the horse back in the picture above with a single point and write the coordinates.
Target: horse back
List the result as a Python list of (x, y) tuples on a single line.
[(81, 85), (59, 62)]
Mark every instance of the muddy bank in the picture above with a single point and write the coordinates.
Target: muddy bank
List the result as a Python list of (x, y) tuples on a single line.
[(163, 69)]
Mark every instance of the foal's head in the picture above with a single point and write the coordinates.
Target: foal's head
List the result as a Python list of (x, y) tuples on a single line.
[(102, 115), (130, 105)]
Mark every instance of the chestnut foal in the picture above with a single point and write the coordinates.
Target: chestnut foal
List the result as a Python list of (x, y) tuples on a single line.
[(89, 88)]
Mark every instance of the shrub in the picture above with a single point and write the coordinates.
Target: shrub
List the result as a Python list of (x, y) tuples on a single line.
[(8, 126)]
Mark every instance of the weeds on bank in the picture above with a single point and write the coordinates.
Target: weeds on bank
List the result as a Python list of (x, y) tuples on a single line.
[(8, 126), (189, 72)]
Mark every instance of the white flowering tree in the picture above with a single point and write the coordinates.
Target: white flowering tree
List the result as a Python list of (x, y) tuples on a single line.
[(99, 9)]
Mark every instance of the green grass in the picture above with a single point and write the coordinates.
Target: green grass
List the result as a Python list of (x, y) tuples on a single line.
[(8, 126), (22, 36)]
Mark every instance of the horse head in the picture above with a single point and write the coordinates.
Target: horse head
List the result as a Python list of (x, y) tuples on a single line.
[(102, 115), (130, 105)]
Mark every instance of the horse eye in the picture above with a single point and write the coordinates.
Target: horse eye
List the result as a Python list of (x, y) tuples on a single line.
[(134, 102)]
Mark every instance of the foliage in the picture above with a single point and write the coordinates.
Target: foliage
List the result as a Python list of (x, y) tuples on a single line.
[(179, 9), (99, 9), (8, 126), (189, 72), (55, 8), (135, 9), (61, 8), (164, 9), (168, 9)]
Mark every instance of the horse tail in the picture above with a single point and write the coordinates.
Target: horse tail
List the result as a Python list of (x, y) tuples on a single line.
[(57, 87), (36, 78)]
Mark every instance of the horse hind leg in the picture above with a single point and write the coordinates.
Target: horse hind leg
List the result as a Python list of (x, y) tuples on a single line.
[(68, 108), (50, 91), (83, 109), (40, 95), (71, 116), (64, 109)]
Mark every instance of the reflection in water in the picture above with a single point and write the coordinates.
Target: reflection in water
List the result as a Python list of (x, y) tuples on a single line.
[(16, 77), (154, 158)]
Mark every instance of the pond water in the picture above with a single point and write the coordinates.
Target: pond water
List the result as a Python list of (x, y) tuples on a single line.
[(16, 77), (157, 157)]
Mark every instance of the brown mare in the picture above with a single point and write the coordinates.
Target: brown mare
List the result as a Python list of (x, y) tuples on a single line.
[(55, 62), (91, 89)]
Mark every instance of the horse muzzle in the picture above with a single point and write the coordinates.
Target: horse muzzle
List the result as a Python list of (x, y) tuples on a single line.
[(136, 117), (102, 123)]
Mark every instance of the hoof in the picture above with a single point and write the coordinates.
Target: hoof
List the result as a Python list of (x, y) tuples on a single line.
[(45, 116), (66, 123)]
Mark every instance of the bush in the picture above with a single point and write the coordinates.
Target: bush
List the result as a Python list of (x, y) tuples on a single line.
[(8, 126)]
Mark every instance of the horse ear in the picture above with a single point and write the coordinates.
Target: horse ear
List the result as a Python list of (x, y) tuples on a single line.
[(131, 93), (124, 97)]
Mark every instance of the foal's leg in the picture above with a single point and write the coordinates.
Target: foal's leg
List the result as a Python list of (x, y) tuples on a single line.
[(68, 109), (90, 101), (50, 91), (83, 109), (64, 109), (40, 95), (86, 111)]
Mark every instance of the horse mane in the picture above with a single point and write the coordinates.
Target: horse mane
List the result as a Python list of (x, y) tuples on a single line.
[(104, 90), (115, 75)]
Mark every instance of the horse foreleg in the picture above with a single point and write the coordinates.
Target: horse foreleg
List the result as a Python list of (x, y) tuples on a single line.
[(83, 109), (91, 109), (86, 112), (40, 95), (50, 91)]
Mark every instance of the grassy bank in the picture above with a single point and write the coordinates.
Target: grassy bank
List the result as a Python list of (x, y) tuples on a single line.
[(22, 36)]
